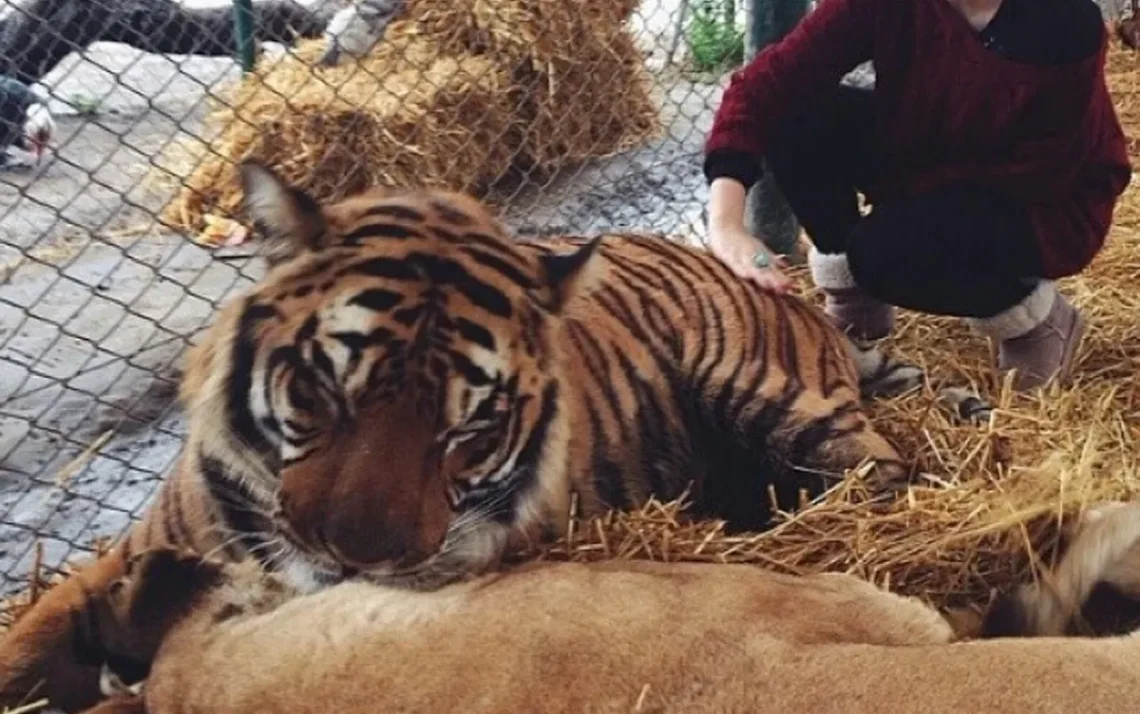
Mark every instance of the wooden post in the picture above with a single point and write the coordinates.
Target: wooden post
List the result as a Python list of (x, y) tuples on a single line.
[(767, 213)]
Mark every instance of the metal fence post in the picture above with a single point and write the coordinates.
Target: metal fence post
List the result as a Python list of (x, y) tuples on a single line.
[(767, 212), (243, 31)]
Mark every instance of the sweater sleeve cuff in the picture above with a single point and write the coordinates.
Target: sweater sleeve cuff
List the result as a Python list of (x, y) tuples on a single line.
[(733, 164)]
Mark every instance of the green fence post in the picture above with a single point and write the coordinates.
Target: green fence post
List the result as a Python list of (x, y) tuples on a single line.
[(767, 212), (243, 32)]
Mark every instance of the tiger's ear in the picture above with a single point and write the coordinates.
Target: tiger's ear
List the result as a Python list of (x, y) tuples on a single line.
[(567, 273), (291, 219)]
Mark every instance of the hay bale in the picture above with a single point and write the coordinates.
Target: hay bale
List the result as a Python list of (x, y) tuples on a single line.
[(597, 104), (414, 119), (581, 86), (538, 30), (459, 95)]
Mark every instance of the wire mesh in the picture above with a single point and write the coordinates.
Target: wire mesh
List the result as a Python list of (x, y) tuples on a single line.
[(105, 273), (106, 278)]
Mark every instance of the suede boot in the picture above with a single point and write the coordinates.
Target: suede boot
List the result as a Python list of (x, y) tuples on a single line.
[(1037, 338), (850, 309)]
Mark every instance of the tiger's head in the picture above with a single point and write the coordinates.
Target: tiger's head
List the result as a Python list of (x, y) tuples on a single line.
[(387, 397)]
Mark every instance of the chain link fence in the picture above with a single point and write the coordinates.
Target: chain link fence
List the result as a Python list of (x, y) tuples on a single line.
[(575, 115), (116, 250)]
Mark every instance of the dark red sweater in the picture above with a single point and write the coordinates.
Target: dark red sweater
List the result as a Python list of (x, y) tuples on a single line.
[(949, 109)]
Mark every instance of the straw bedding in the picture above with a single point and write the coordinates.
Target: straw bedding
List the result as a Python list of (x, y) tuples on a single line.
[(460, 94), (987, 498), (989, 502)]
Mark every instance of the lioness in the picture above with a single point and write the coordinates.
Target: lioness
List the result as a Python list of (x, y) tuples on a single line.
[(603, 637)]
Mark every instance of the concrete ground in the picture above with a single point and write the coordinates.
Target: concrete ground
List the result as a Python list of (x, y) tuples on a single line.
[(96, 304)]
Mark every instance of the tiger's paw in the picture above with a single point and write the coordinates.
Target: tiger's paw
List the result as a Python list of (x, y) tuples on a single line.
[(965, 405), (880, 375), (893, 380), (111, 685)]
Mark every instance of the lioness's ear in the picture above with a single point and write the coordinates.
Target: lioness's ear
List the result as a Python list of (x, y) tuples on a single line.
[(290, 218), (567, 272)]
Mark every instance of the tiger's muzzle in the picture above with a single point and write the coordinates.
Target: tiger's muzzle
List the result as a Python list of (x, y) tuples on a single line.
[(374, 497)]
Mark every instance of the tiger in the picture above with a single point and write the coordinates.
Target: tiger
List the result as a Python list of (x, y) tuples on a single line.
[(180, 633), (410, 392)]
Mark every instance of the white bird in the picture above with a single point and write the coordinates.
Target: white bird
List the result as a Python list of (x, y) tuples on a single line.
[(356, 29), (26, 123)]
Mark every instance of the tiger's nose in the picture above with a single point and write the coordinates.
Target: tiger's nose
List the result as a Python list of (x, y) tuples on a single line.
[(388, 548)]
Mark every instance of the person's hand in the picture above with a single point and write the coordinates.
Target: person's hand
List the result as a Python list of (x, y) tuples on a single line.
[(749, 259)]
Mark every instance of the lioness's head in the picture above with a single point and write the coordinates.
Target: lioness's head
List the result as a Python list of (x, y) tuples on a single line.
[(384, 398)]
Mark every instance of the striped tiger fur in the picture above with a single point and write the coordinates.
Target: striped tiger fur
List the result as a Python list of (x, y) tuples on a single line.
[(57, 650), (409, 390)]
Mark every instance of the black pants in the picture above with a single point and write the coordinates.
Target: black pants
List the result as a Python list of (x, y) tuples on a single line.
[(960, 250)]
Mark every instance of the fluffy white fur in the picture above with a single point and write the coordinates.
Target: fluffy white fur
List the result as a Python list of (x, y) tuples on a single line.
[(830, 271), (1022, 317)]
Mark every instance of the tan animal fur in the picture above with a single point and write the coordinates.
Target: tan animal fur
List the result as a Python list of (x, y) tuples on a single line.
[(1103, 550), (608, 637)]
